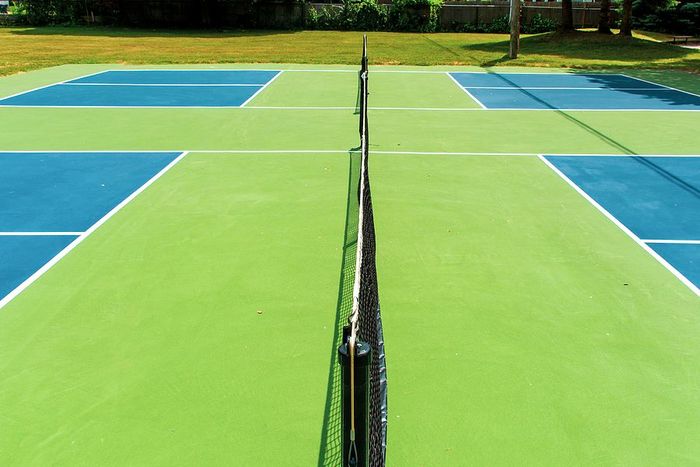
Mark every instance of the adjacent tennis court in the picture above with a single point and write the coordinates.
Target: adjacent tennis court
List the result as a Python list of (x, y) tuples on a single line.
[(572, 91), (150, 88), (179, 249)]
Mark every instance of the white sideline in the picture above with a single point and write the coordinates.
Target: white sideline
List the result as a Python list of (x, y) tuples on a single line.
[(622, 227), (37, 274), (483, 107), (261, 89)]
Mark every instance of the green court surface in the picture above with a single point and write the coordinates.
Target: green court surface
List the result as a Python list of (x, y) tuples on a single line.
[(198, 325)]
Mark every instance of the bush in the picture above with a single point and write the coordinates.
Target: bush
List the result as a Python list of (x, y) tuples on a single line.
[(365, 15), (41, 12), (415, 15), (679, 19), (498, 26), (368, 15), (539, 24), (18, 9)]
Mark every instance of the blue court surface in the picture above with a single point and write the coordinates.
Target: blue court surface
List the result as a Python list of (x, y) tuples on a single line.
[(656, 198), (48, 199), (562, 91), (150, 88)]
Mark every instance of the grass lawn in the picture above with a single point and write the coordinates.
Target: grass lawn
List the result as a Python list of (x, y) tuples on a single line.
[(23, 49)]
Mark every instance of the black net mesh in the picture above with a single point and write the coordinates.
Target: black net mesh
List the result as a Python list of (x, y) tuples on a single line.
[(368, 318)]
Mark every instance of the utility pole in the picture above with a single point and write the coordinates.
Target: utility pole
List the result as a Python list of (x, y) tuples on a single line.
[(514, 28)]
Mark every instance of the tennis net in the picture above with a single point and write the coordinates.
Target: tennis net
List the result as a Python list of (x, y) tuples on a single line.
[(365, 403)]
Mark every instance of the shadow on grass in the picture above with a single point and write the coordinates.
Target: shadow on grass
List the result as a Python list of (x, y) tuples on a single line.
[(584, 45)]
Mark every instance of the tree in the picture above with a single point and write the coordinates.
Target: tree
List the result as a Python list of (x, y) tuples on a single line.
[(514, 29), (567, 16), (626, 25), (604, 21)]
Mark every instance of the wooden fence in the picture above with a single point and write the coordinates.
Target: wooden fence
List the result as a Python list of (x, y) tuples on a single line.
[(585, 14)]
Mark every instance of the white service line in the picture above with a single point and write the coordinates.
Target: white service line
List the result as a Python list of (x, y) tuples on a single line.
[(419, 109), (673, 242), (29, 281), (622, 227), (555, 88), (40, 234), (261, 89), (185, 85), (335, 151), (232, 69), (465, 90), (273, 107)]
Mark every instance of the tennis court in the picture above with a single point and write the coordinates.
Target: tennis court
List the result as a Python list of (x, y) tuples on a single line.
[(178, 251)]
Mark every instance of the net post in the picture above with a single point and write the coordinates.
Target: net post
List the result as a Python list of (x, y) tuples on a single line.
[(362, 360)]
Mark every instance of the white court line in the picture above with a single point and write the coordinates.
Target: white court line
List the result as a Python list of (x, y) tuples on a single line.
[(466, 90), (40, 234), (472, 109), (331, 151), (234, 69), (555, 88), (417, 109), (662, 85), (261, 89), (678, 242), (164, 85), (544, 73), (68, 152), (622, 227), (274, 107), (230, 107), (29, 281)]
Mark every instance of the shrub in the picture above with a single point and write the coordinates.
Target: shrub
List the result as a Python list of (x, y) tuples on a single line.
[(539, 24), (500, 25), (414, 15), (364, 15), (328, 17), (679, 19)]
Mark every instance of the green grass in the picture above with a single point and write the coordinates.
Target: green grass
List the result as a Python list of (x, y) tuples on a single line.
[(23, 49)]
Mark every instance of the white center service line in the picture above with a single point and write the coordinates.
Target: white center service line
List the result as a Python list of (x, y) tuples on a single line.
[(677, 242), (40, 234), (179, 85)]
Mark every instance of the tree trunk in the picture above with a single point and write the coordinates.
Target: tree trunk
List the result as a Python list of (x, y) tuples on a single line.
[(514, 28), (604, 21), (626, 26), (567, 16)]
